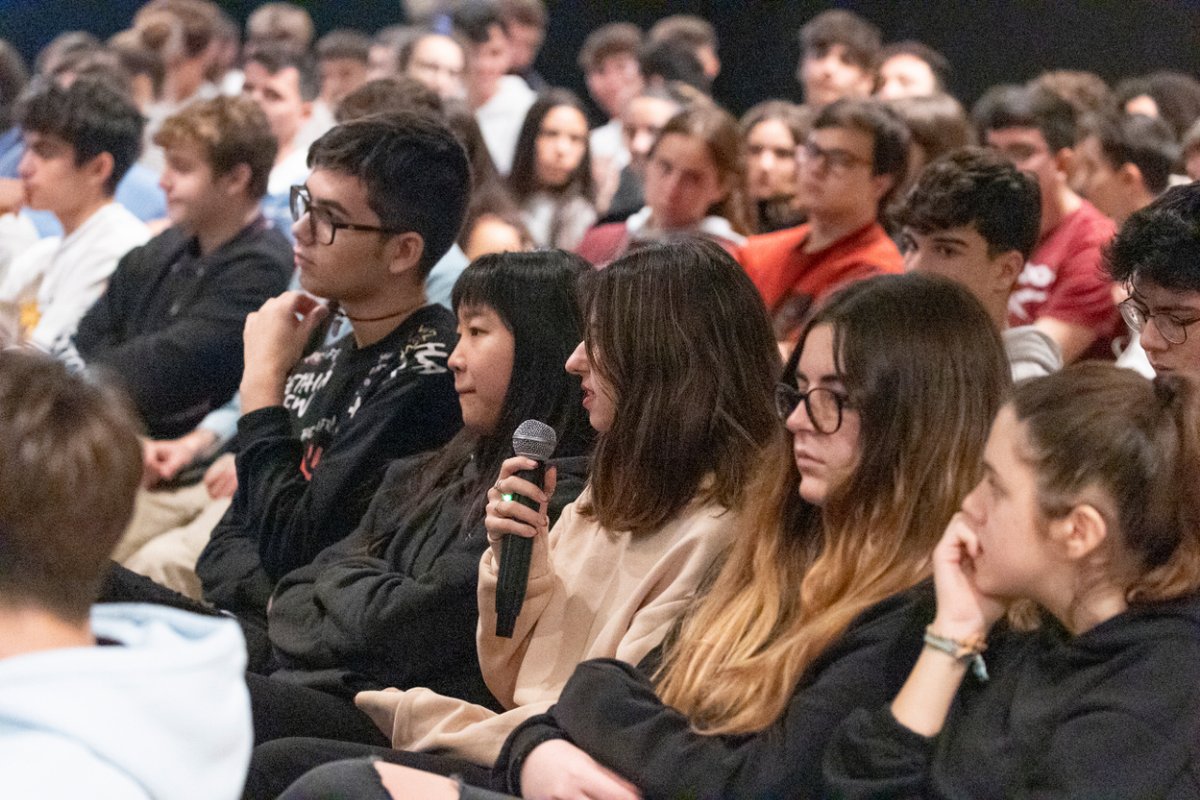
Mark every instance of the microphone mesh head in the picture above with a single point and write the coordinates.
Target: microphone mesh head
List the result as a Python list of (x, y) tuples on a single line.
[(534, 439)]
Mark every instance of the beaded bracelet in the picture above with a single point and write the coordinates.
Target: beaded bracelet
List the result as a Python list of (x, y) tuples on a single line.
[(970, 650)]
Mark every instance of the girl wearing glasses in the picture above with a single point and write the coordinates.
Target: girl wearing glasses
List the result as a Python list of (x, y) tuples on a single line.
[(677, 369), (1090, 508), (820, 606), (694, 185)]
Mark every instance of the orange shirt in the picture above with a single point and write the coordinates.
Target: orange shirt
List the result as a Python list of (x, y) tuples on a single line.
[(792, 281)]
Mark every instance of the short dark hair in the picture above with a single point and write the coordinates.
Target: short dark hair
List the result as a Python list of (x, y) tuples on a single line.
[(1176, 94), (1161, 242), (609, 40), (398, 93), (889, 155), (137, 59), (70, 465), (1145, 142), (344, 43), (415, 171), (167, 24), (976, 186), (524, 12), (475, 18), (229, 131), (275, 58), (286, 23), (860, 38), (939, 65), (91, 117), (937, 123), (673, 61), (404, 52), (1085, 91), (1013, 106), (693, 31)]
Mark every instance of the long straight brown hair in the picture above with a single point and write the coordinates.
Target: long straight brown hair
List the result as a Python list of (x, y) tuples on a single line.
[(681, 335), (925, 371)]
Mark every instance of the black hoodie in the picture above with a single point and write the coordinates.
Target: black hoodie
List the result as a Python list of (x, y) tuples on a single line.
[(1111, 713)]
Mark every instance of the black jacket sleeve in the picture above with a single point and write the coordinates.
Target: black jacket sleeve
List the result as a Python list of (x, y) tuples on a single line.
[(405, 620), (283, 519), (610, 710)]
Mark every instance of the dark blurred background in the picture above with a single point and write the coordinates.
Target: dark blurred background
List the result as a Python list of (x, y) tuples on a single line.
[(987, 41)]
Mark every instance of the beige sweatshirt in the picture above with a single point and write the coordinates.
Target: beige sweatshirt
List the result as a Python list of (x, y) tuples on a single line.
[(592, 594)]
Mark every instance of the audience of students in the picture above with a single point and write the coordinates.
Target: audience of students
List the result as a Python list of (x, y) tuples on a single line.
[(331, 465), (1088, 509), (1062, 290), (79, 142), (385, 198), (623, 562)]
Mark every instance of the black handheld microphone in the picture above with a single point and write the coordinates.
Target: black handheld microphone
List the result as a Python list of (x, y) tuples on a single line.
[(536, 440)]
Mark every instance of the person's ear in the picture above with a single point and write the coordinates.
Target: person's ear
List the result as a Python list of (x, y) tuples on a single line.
[(1064, 160), (1081, 532), (404, 252), (306, 109), (1006, 268), (881, 185), (236, 180), (99, 168), (1130, 176)]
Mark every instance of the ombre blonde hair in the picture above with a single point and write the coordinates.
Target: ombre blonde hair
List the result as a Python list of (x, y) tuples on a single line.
[(925, 370)]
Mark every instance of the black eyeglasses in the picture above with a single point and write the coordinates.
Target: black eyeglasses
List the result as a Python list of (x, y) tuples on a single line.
[(837, 161), (1172, 328), (321, 224), (823, 406)]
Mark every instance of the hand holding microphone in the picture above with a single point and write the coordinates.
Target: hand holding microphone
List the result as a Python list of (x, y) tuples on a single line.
[(517, 511)]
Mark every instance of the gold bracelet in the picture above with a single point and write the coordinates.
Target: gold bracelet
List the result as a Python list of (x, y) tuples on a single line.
[(970, 651)]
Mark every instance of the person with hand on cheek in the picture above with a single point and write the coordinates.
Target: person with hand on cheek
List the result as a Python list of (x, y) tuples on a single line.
[(383, 203), (1088, 508), (819, 607)]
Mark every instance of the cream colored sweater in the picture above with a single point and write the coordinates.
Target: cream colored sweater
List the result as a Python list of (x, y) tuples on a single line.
[(592, 594)]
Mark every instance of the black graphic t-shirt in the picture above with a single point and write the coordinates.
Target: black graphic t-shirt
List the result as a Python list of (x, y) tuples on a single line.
[(307, 469)]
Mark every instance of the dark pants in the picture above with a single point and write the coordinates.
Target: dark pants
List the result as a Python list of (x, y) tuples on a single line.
[(283, 710), (278, 764), (357, 780)]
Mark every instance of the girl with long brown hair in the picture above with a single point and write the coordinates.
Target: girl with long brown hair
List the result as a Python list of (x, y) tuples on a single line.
[(678, 367), (1090, 508), (888, 397)]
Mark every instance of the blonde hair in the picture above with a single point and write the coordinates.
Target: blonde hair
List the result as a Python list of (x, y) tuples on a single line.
[(926, 371)]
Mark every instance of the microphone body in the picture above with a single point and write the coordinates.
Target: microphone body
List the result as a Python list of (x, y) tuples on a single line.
[(535, 440)]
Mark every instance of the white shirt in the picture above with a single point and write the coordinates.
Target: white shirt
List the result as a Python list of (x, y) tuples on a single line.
[(501, 117), (17, 235), (607, 143), (59, 279)]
